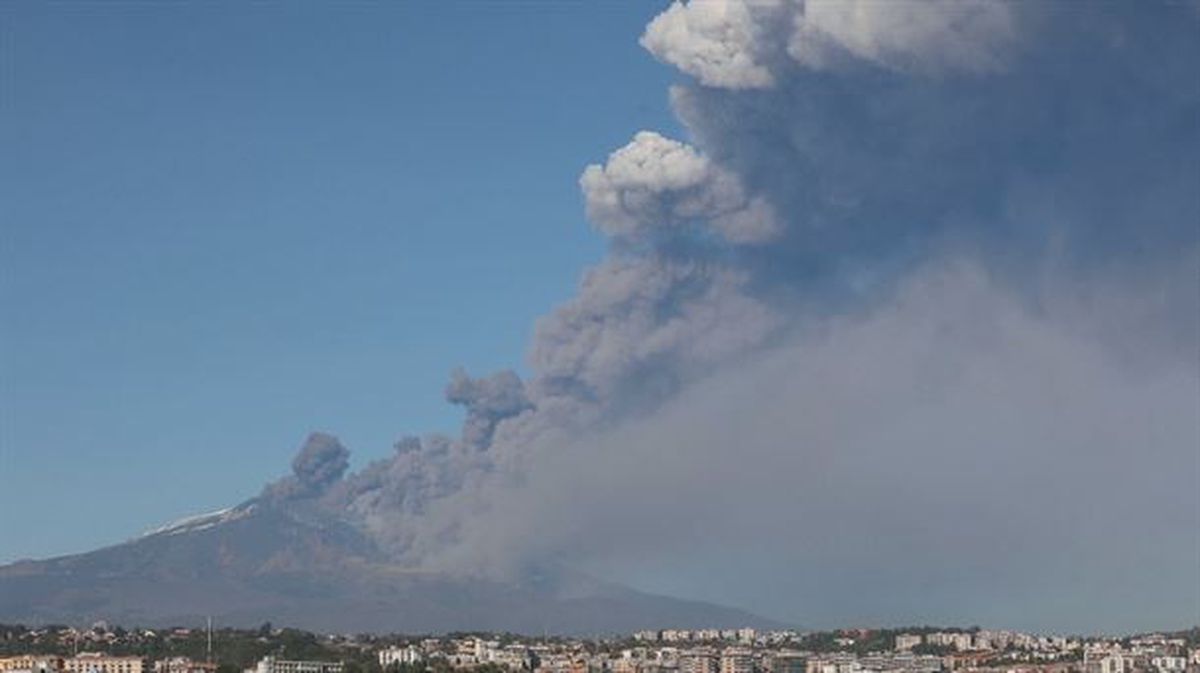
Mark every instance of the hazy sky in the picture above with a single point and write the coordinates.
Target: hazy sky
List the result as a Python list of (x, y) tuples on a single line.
[(889, 312), (225, 226)]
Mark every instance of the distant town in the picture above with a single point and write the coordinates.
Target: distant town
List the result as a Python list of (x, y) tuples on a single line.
[(102, 648)]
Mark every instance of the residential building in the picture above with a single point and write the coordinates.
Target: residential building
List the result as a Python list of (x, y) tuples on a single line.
[(907, 641), (959, 641), (272, 665), (699, 662), (400, 655), (737, 661), (183, 665), (787, 662), (96, 662), (31, 663)]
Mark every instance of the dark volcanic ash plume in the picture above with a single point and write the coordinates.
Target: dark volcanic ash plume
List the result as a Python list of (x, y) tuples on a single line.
[(936, 258), (320, 463)]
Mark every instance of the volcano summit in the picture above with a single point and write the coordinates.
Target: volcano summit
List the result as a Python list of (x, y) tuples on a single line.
[(282, 559)]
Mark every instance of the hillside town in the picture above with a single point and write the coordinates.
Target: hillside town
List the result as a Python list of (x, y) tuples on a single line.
[(101, 649)]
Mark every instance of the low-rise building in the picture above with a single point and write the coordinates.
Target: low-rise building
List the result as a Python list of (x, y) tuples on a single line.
[(31, 663), (184, 665), (272, 665), (839, 662), (96, 662), (400, 655), (1169, 664)]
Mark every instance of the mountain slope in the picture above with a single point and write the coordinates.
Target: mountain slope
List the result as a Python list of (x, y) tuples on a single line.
[(258, 562)]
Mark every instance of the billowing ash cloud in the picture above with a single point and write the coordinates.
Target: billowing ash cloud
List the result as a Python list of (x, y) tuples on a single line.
[(951, 456), (748, 45), (913, 307), (488, 401), (654, 185), (320, 463)]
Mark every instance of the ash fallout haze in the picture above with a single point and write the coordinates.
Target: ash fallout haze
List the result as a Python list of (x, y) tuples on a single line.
[(889, 313)]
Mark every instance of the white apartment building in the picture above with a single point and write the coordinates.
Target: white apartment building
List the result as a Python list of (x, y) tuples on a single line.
[(834, 663), (1110, 663), (1167, 664), (959, 641), (400, 655), (907, 641)]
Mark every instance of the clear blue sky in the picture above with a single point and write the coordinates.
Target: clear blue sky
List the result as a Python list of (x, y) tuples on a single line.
[(226, 225)]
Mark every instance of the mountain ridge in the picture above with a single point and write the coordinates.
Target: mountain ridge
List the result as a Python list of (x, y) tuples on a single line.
[(260, 562)]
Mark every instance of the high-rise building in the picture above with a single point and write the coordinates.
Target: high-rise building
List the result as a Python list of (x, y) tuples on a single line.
[(737, 661), (699, 662)]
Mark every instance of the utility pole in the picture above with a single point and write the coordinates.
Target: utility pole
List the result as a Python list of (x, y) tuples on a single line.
[(209, 647)]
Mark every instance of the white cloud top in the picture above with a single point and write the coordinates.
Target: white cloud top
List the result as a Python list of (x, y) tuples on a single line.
[(714, 41), (735, 44), (656, 186)]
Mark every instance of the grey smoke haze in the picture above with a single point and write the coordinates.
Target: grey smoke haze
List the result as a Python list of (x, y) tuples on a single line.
[(949, 456), (906, 331)]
